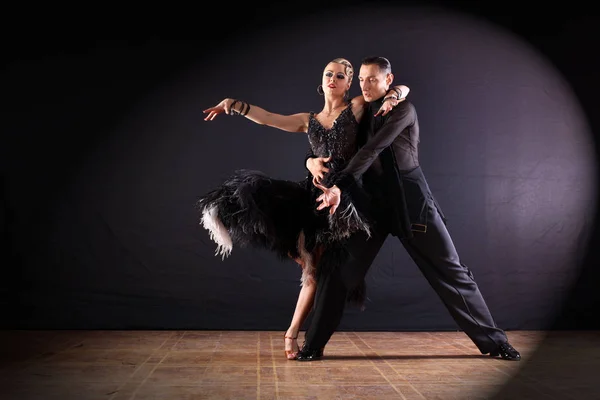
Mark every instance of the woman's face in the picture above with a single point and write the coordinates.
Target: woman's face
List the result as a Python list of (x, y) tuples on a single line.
[(335, 81)]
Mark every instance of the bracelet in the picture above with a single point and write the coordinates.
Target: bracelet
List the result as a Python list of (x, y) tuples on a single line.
[(232, 110), (389, 98), (243, 110), (398, 92)]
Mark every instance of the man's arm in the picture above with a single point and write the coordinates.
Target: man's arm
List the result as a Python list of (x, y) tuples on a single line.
[(402, 117), (308, 156), (344, 183), (399, 92)]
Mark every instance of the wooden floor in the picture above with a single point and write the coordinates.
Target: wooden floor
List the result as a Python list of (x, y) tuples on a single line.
[(119, 365)]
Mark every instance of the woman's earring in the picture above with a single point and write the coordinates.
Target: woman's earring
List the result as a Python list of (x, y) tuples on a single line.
[(320, 90)]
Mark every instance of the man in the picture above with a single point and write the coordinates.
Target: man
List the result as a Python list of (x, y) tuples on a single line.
[(387, 168)]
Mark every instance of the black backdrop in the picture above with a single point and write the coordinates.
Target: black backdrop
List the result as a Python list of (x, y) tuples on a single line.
[(104, 152)]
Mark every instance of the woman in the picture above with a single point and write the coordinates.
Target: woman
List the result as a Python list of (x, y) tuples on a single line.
[(250, 208)]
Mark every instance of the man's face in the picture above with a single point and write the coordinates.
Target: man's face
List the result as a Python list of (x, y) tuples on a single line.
[(373, 82)]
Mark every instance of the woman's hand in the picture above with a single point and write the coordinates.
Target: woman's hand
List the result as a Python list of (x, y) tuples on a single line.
[(387, 106), (223, 107)]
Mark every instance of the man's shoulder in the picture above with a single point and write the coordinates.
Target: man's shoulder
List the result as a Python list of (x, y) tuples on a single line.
[(406, 105)]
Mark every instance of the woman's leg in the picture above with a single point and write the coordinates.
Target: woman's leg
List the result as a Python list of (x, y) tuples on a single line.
[(305, 301), (303, 307)]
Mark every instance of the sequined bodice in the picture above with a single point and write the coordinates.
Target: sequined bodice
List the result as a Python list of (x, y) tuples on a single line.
[(339, 142)]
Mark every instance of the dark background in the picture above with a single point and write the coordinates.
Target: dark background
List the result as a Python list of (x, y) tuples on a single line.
[(104, 151)]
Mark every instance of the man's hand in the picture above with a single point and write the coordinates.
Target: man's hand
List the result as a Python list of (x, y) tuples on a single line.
[(316, 166), (331, 197)]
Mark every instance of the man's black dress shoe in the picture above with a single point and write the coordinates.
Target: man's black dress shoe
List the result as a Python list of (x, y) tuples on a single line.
[(506, 351), (309, 355)]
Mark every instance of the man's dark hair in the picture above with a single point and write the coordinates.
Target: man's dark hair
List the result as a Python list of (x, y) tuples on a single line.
[(382, 62)]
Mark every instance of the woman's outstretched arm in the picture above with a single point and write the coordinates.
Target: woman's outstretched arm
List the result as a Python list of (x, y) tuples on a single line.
[(290, 123)]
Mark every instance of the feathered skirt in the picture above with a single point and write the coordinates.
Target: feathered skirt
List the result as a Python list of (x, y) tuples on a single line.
[(252, 209)]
